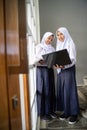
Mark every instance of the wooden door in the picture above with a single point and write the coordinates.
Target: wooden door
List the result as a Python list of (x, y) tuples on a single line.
[(4, 113), (16, 49), (13, 61), (15, 13)]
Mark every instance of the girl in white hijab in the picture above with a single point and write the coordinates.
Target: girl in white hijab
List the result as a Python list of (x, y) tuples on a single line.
[(43, 47), (45, 79), (67, 97)]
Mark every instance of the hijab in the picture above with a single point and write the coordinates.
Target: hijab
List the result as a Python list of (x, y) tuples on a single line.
[(44, 48), (68, 44), (47, 48)]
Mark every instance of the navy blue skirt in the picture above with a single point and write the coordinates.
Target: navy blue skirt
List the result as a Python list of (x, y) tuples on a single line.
[(45, 90), (67, 96)]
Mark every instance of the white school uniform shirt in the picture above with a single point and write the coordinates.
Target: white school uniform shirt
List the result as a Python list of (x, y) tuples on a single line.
[(42, 49), (67, 44)]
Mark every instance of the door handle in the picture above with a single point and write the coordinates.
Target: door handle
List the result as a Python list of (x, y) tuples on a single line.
[(14, 101)]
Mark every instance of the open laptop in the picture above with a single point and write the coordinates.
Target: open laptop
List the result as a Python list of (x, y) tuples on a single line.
[(58, 57)]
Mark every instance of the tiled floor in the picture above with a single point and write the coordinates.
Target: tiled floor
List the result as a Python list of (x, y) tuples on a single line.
[(81, 124)]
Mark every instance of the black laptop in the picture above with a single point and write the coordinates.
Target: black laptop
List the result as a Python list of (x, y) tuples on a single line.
[(58, 57)]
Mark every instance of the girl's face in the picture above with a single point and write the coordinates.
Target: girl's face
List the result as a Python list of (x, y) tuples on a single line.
[(60, 36), (49, 39)]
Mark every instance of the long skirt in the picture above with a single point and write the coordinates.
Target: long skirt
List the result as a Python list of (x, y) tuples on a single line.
[(67, 96), (45, 90)]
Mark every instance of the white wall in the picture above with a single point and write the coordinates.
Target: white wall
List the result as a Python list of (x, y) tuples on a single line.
[(72, 15)]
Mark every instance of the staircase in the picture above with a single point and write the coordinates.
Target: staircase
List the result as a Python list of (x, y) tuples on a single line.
[(82, 92)]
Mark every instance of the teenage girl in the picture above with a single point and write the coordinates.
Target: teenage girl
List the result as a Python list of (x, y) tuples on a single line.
[(45, 79)]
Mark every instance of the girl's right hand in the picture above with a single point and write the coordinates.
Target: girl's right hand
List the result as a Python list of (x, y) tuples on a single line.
[(41, 61)]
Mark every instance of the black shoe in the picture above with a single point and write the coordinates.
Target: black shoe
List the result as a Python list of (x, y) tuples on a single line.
[(47, 117), (63, 117), (73, 119), (53, 115)]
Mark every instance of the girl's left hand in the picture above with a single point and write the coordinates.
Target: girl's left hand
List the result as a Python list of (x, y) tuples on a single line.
[(58, 66), (61, 66)]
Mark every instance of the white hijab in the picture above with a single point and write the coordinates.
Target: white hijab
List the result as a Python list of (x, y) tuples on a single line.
[(44, 48), (67, 44), (47, 48)]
